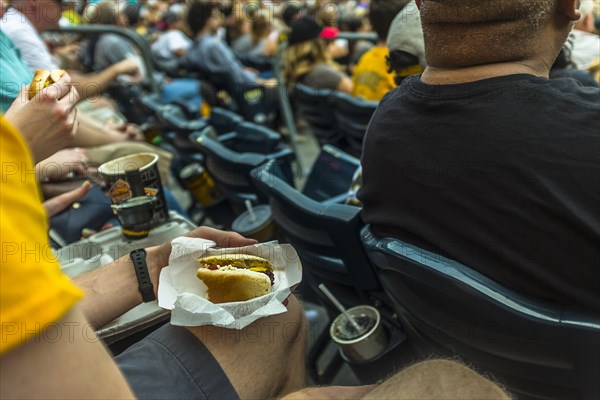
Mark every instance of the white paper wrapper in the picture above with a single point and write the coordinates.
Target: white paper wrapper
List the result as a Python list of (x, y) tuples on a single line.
[(181, 291)]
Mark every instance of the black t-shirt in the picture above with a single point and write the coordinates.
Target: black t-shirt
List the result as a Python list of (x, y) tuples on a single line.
[(502, 175)]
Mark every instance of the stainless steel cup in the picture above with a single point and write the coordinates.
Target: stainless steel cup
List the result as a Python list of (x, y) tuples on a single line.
[(365, 345), (135, 216)]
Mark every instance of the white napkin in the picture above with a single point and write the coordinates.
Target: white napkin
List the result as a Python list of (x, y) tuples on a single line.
[(181, 291)]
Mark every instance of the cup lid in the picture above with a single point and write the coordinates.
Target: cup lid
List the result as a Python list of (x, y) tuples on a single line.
[(367, 311), (244, 223)]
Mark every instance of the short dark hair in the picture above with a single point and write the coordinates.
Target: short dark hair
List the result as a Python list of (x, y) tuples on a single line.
[(199, 13), (382, 13), (290, 13)]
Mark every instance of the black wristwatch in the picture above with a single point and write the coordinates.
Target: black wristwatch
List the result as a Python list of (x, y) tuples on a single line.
[(143, 277)]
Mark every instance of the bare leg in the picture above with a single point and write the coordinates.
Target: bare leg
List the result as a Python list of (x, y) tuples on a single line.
[(264, 360), (437, 379)]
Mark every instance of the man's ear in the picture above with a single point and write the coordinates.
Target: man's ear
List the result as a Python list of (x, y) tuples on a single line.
[(569, 9)]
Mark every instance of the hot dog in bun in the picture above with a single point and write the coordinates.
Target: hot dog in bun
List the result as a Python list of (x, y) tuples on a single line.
[(44, 78), (235, 277)]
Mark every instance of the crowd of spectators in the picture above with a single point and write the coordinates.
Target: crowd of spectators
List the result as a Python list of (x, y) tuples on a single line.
[(493, 144)]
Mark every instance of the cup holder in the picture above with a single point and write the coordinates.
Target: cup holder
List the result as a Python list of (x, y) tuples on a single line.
[(394, 356)]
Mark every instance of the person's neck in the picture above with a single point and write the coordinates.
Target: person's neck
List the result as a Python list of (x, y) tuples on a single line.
[(448, 76)]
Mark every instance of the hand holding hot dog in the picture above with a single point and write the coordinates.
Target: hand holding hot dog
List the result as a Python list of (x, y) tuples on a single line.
[(48, 121)]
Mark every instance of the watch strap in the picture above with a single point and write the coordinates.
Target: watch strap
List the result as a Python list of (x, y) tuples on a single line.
[(138, 257)]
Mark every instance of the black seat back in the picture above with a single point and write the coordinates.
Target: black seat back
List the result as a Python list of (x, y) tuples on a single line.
[(254, 138), (223, 120), (326, 237), (537, 350), (151, 104), (317, 106), (331, 174), (230, 170), (249, 98), (353, 115), (174, 118)]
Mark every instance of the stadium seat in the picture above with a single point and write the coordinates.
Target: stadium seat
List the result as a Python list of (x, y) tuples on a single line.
[(253, 138), (353, 115), (331, 175), (536, 350), (223, 120), (176, 120), (326, 236), (230, 170), (317, 106)]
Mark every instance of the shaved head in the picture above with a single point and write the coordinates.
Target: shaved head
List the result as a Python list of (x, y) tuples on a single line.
[(461, 33)]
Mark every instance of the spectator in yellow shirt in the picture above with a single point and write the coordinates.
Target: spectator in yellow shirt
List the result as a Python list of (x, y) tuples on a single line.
[(372, 76)]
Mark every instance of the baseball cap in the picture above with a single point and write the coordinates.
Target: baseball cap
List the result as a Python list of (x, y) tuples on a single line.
[(406, 33), (306, 28)]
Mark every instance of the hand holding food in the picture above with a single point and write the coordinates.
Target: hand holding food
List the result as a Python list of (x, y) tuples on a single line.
[(48, 122), (235, 277), (42, 79), (237, 287)]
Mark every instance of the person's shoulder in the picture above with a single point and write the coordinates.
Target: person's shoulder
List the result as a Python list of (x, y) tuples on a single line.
[(377, 51), (326, 69), (111, 39), (17, 29), (212, 40), (579, 34), (388, 106), (177, 34), (5, 42), (322, 73), (13, 19), (214, 44), (369, 55), (568, 90), (399, 91)]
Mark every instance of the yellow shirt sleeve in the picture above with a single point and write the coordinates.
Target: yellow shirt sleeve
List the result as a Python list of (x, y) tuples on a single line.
[(34, 293)]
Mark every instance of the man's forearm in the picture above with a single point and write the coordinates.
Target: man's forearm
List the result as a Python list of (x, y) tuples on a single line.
[(94, 84), (112, 290), (91, 133)]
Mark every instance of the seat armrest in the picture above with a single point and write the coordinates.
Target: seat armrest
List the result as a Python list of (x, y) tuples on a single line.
[(339, 199), (227, 137), (282, 154), (284, 158)]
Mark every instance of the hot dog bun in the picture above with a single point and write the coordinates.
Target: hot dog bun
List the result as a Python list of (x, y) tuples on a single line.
[(234, 285), (43, 78), (235, 277)]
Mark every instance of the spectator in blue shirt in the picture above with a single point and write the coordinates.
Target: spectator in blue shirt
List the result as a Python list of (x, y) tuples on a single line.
[(210, 55)]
